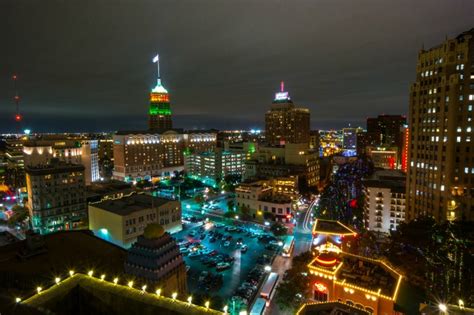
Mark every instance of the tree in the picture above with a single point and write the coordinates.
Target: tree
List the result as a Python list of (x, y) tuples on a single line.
[(278, 229), (230, 204), (230, 214), (20, 214), (244, 211), (295, 285)]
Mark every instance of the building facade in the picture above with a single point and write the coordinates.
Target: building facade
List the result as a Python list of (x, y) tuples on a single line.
[(384, 197), (56, 196), (215, 165), (75, 151), (286, 123), (441, 152), (145, 154), (123, 219), (283, 161), (155, 259), (264, 202), (384, 157)]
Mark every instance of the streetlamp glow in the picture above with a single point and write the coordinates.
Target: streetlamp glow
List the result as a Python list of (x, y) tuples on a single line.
[(225, 309), (17, 300), (57, 280), (115, 280), (144, 288), (236, 217), (38, 289), (130, 284), (206, 304), (102, 277), (71, 273), (158, 292), (90, 273), (190, 299), (442, 307), (174, 295), (268, 268)]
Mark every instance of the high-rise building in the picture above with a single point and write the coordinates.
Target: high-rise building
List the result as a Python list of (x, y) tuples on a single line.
[(160, 107), (145, 154), (215, 165), (349, 140), (384, 207), (386, 130), (56, 196), (282, 161), (286, 123), (441, 153), (75, 151), (15, 170)]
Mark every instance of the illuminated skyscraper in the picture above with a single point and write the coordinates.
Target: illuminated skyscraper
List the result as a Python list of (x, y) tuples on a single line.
[(160, 108), (286, 123), (441, 151)]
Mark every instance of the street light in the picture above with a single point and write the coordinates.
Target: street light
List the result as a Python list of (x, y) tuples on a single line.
[(442, 307), (268, 268)]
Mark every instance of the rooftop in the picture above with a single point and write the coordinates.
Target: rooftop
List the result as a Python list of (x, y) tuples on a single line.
[(330, 308), (92, 295), (393, 179), (353, 271), (27, 263), (331, 227), (131, 203), (54, 166)]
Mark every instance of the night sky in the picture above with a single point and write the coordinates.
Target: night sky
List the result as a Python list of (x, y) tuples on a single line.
[(86, 65)]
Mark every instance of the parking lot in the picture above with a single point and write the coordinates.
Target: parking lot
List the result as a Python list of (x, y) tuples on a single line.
[(218, 254)]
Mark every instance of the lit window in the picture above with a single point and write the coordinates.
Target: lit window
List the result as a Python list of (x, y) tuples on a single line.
[(458, 139)]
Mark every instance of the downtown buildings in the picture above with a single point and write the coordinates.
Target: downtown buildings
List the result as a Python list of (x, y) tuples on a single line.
[(56, 196), (441, 152), (121, 220), (287, 149), (286, 123)]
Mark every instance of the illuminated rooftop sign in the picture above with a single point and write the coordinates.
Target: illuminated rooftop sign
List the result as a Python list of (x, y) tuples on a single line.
[(282, 95)]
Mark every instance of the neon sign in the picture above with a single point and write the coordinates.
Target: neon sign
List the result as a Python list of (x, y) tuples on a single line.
[(320, 287), (281, 96)]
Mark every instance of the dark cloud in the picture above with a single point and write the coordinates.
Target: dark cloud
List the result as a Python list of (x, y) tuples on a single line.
[(86, 65)]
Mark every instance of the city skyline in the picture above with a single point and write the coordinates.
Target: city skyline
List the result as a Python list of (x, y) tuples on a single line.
[(95, 72)]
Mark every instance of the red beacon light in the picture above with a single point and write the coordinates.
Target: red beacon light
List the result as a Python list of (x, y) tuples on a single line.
[(18, 117)]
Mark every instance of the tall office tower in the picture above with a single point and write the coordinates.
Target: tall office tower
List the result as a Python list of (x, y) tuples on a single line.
[(160, 108), (15, 171), (56, 196), (441, 153), (285, 123), (349, 140), (386, 130)]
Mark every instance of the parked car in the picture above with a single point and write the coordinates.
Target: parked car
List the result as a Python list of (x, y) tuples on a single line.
[(222, 266), (226, 244)]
